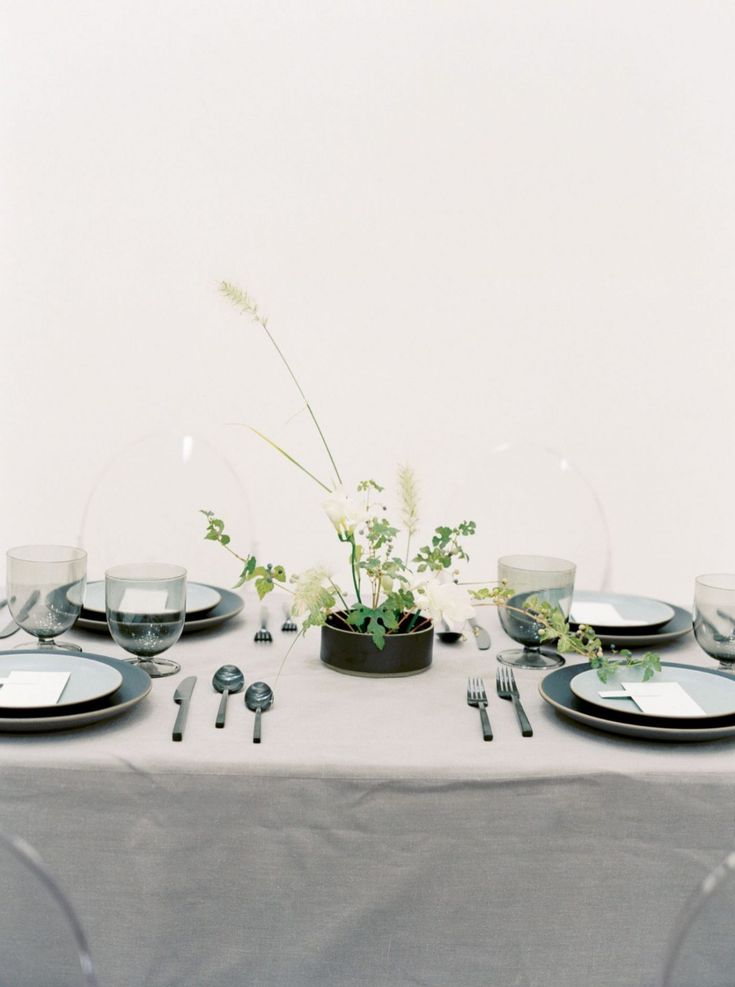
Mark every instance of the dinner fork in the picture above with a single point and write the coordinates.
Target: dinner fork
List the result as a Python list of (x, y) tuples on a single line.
[(476, 696), (289, 625), (263, 636), (505, 682)]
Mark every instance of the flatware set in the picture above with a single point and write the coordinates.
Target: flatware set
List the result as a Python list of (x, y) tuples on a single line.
[(506, 688)]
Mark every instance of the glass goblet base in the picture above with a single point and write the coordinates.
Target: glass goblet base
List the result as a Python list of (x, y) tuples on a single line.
[(47, 645), (531, 658), (158, 668)]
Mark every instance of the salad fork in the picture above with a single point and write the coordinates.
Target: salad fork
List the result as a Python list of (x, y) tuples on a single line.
[(289, 625), (263, 636), (476, 696), (505, 682)]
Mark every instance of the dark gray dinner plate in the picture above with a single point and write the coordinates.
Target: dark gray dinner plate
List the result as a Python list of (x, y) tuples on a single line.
[(228, 607), (136, 684), (555, 689)]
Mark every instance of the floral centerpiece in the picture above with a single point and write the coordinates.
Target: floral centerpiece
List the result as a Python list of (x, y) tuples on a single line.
[(396, 593)]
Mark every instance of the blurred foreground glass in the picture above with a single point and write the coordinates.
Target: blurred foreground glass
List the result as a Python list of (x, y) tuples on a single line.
[(45, 587), (146, 607), (714, 617), (538, 577)]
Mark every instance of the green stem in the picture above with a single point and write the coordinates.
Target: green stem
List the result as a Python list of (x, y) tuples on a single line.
[(337, 591), (353, 566), (243, 301)]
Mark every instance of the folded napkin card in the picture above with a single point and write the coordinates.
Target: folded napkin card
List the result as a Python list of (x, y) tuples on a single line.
[(658, 698), (29, 689), (144, 601), (600, 615)]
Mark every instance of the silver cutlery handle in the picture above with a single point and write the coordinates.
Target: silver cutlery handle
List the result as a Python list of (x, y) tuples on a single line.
[(487, 731), (222, 711), (178, 733), (264, 618), (256, 728), (523, 722)]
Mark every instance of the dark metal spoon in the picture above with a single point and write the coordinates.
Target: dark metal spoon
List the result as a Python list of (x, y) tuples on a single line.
[(447, 636), (226, 679), (259, 698)]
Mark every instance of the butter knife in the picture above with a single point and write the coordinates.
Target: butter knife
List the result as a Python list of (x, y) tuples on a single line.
[(10, 628), (482, 638), (13, 626), (182, 696)]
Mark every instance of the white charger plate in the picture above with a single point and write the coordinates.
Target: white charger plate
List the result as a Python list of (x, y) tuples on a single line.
[(713, 693), (88, 679), (198, 597), (618, 611)]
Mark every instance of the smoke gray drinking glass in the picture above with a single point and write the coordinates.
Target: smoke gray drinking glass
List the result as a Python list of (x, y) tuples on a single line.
[(45, 589), (543, 578), (714, 617), (146, 607)]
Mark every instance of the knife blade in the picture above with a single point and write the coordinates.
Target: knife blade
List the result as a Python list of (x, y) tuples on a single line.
[(182, 696), (11, 628), (482, 638)]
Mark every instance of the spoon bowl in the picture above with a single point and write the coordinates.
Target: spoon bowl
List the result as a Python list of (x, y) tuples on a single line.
[(448, 636), (227, 679), (258, 698)]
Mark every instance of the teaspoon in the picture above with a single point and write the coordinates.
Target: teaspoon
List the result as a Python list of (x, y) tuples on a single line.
[(258, 697), (226, 679)]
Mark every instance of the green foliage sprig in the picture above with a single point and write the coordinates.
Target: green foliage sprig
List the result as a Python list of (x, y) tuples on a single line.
[(553, 628)]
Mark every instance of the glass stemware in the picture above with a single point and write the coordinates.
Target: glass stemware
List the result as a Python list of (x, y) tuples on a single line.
[(146, 607), (46, 590), (539, 577), (714, 617)]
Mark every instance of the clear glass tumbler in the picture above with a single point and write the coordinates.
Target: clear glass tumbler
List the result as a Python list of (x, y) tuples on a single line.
[(539, 577), (714, 617), (45, 587), (146, 608)]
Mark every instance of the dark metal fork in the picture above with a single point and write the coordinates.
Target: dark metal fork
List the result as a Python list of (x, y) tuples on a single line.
[(476, 696), (505, 682), (289, 625), (263, 636)]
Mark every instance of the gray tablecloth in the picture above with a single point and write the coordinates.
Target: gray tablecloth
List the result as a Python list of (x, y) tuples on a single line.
[(372, 839)]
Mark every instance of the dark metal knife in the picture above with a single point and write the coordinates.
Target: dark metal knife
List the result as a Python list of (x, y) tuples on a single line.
[(182, 696), (482, 638), (12, 627)]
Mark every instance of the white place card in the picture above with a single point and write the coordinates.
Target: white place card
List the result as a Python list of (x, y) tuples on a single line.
[(600, 615), (29, 689), (658, 698), (144, 600)]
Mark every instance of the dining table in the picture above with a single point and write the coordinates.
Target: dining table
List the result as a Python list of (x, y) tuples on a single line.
[(373, 838)]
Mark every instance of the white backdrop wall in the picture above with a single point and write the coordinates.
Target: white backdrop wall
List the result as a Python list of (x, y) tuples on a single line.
[(469, 223)]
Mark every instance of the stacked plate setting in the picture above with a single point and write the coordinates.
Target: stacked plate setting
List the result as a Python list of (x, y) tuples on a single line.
[(637, 622), (629, 621), (98, 688), (206, 606)]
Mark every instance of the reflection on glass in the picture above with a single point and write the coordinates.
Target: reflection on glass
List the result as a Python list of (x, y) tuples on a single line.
[(714, 617), (539, 577), (45, 587), (146, 607)]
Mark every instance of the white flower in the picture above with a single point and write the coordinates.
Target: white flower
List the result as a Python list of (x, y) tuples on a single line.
[(444, 601), (343, 514)]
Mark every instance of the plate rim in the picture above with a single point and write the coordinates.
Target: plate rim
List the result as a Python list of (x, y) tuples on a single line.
[(68, 654), (685, 734), (663, 716)]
